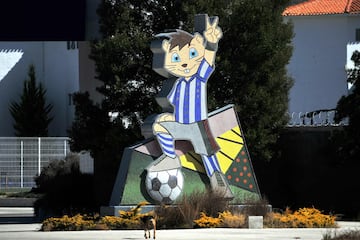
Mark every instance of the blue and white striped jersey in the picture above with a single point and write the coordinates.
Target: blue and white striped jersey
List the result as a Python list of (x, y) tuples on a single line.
[(189, 96)]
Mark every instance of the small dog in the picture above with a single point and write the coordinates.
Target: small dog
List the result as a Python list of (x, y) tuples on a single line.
[(149, 222)]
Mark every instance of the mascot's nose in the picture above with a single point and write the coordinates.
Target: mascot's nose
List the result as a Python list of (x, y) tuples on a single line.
[(184, 65)]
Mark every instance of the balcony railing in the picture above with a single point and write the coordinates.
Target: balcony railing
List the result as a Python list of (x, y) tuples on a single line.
[(323, 117)]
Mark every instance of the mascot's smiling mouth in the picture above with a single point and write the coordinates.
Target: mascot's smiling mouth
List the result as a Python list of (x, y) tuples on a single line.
[(186, 70)]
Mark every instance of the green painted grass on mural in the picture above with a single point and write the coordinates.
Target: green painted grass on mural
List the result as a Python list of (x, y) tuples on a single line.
[(134, 191)]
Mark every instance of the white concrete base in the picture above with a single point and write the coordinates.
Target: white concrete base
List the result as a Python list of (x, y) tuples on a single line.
[(256, 222)]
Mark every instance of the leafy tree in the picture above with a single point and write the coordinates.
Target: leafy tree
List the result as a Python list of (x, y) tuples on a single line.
[(349, 107), (31, 114), (123, 64), (250, 70)]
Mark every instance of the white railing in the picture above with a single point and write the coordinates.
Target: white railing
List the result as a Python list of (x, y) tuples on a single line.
[(21, 159), (319, 118)]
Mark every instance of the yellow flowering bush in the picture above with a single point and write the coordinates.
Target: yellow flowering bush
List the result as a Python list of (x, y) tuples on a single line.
[(113, 222), (206, 221), (133, 213), (74, 223), (126, 220), (302, 218), (225, 219), (232, 220)]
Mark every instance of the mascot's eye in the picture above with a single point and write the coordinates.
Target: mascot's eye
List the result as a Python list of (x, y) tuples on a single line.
[(193, 53), (175, 57)]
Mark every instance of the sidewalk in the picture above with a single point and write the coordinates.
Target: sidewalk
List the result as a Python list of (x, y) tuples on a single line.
[(31, 232)]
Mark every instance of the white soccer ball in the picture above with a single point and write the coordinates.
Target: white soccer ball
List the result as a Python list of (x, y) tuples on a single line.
[(165, 186)]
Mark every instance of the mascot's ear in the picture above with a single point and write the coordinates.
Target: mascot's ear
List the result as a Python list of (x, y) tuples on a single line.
[(166, 45), (198, 38)]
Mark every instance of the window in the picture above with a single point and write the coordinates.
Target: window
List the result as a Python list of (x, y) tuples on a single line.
[(70, 99), (357, 35), (72, 45)]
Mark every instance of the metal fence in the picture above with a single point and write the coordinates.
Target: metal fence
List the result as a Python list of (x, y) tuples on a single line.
[(319, 118), (21, 159)]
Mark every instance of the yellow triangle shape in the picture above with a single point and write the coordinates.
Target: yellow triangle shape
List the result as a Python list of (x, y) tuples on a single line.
[(189, 162), (229, 148), (230, 142), (233, 134), (224, 162)]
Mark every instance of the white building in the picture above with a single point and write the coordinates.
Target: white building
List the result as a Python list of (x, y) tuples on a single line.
[(63, 67), (323, 29)]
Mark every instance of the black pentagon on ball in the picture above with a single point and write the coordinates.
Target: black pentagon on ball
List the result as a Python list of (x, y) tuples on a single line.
[(155, 184), (166, 200), (172, 182)]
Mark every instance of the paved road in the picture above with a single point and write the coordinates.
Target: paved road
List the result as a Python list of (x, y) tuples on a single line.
[(31, 232), (15, 215)]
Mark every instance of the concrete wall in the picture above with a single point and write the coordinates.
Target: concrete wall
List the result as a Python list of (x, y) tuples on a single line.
[(318, 62)]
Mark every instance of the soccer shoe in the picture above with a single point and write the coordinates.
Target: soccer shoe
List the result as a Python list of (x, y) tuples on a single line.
[(164, 163), (220, 185)]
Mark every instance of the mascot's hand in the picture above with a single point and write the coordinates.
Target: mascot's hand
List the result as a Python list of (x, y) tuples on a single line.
[(213, 32)]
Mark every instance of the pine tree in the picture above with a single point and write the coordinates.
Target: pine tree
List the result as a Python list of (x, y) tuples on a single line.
[(31, 113)]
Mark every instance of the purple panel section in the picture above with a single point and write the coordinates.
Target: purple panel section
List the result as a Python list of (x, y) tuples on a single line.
[(151, 148), (183, 147), (223, 121)]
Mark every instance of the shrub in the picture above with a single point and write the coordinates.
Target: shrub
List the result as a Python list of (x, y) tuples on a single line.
[(254, 207), (169, 216), (206, 221), (67, 223), (302, 218), (127, 220), (64, 189), (133, 213), (224, 219), (113, 222), (208, 202), (230, 220)]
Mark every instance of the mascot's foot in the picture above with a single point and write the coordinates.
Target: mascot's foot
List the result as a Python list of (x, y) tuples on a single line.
[(164, 163), (220, 185)]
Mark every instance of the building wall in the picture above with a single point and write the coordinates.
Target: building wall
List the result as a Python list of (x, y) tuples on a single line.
[(56, 67), (61, 79), (318, 62), (88, 82)]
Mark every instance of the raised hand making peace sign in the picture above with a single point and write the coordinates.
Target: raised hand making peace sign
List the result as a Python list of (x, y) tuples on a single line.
[(212, 31)]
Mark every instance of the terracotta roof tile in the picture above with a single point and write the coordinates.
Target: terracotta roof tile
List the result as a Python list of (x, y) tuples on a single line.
[(354, 7), (322, 7)]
